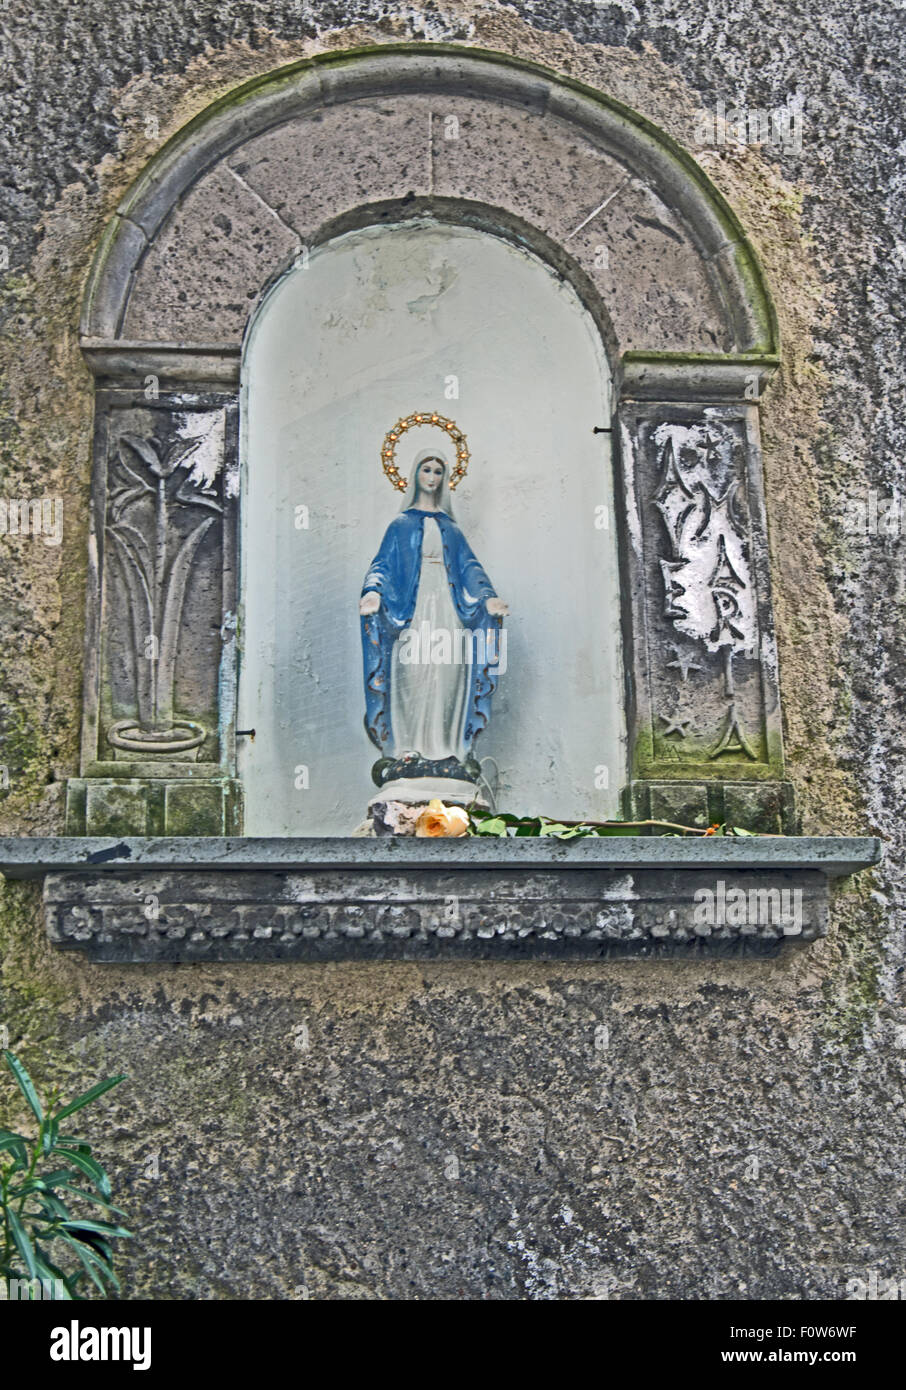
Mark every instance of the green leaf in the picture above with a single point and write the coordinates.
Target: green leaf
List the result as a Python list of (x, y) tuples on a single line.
[(88, 1096), (48, 1270), (90, 1167), (32, 1185), (563, 832), (49, 1137), (101, 1228), (59, 1175), (23, 1244), (54, 1209), (92, 1261), (25, 1084), (16, 1147), (495, 825), (90, 1197)]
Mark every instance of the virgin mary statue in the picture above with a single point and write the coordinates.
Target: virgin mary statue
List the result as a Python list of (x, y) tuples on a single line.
[(431, 641)]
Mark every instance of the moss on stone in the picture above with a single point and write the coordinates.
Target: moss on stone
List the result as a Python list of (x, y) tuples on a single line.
[(31, 995), (852, 989)]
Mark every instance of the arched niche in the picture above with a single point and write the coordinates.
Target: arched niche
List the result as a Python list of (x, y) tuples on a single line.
[(463, 138), (376, 323)]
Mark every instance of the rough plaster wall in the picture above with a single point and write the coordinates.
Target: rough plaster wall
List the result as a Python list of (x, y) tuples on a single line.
[(584, 1170)]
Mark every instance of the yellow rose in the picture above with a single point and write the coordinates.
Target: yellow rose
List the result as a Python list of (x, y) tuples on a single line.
[(438, 819)]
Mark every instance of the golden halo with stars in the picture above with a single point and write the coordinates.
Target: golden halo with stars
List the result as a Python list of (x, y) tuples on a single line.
[(408, 422)]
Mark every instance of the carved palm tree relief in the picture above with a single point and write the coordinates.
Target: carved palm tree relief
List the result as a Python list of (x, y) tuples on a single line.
[(157, 497)]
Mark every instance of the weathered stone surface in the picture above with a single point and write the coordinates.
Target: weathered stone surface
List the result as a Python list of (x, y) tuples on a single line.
[(315, 169), (397, 127), (654, 1129), (833, 855), (704, 655), (200, 278), (421, 914)]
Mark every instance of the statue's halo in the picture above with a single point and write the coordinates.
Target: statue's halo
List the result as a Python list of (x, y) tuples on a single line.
[(408, 422)]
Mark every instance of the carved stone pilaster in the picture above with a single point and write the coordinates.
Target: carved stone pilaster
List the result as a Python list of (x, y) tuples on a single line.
[(159, 727), (704, 707)]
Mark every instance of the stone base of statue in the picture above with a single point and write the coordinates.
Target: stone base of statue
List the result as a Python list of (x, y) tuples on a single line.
[(420, 790), (416, 780), (407, 784)]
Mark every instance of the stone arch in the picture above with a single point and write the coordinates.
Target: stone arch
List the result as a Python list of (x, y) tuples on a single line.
[(476, 138), (287, 153)]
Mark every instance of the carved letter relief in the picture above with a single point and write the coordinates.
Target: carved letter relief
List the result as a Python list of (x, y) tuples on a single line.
[(706, 684)]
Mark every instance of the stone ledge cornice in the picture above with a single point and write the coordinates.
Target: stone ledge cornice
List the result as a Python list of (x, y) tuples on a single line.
[(830, 854), (401, 898)]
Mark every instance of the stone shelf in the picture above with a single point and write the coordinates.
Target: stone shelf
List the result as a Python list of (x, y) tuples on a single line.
[(234, 899)]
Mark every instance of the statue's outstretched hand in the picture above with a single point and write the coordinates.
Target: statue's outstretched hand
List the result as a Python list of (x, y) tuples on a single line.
[(497, 608), (369, 603)]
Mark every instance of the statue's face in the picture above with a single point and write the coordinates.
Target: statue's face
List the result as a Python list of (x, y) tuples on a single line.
[(430, 476)]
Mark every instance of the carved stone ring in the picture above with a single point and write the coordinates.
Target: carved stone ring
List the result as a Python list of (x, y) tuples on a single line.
[(183, 734), (423, 417)]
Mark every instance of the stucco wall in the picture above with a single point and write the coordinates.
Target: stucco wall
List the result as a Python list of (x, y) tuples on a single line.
[(496, 1130)]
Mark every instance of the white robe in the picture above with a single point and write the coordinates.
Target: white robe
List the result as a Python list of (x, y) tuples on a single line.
[(428, 700)]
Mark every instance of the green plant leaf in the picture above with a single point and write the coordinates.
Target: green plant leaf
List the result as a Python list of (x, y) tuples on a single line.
[(99, 1254), (57, 1176), (90, 1167), (90, 1197), (23, 1244), (101, 1228), (49, 1137), (29, 1186), (54, 1209), (92, 1263), (88, 1096), (48, 1270), (495, 825), (16, 1146), (563, 832), (25, 1084)]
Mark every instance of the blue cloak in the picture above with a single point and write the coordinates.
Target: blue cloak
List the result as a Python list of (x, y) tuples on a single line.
[(394, 574)]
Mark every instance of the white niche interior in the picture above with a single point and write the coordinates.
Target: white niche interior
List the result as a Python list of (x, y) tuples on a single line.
[(371, 327)]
